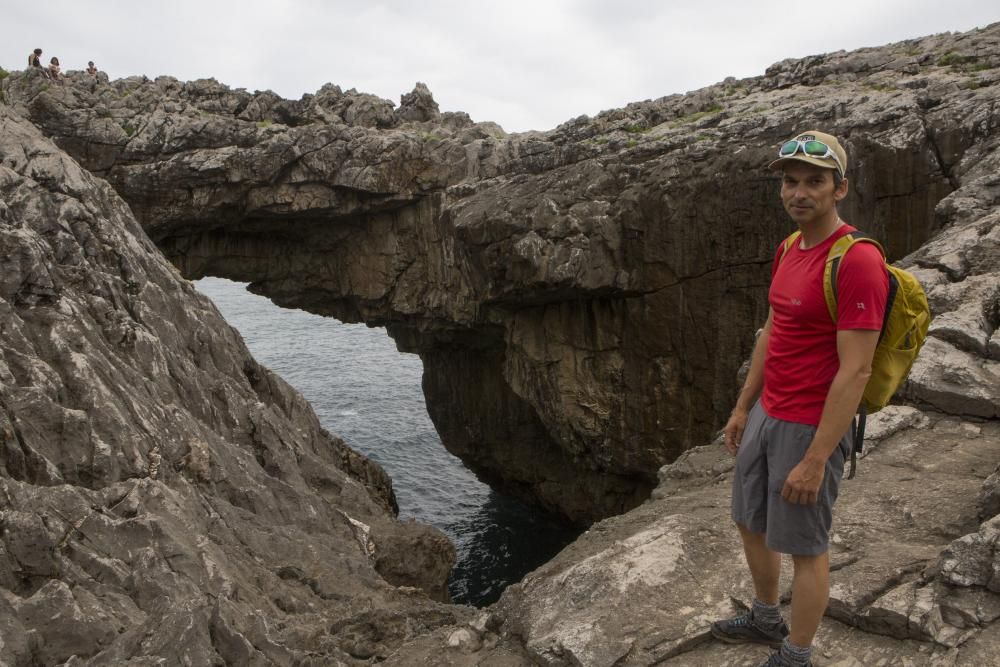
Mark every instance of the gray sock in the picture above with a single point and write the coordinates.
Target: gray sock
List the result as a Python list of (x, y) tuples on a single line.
[(797, 656), (765, 615)]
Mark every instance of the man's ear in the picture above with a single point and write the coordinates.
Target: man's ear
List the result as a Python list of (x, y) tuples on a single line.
[(841, 190)]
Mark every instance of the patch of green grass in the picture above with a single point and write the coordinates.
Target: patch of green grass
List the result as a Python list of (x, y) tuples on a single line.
[(702, 137), (973, 84), (879, 86), (129, 129), (637, 129), (960, 63), (267, 122), (952, 58), (631, 143), (430, 136), (3, 74)]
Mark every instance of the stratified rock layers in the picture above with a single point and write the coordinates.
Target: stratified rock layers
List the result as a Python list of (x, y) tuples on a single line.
[(163, 496), (581, 298)]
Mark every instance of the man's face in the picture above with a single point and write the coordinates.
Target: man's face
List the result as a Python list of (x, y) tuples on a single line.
[(808, 192)]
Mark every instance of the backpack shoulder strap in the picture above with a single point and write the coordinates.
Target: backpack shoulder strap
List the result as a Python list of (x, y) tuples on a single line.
[(786, 245), (837, 252)]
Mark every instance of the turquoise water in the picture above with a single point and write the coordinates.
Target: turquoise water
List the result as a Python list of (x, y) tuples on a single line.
[(369, 394)]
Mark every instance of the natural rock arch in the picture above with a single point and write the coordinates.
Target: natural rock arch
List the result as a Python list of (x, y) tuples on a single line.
[(581, 298)]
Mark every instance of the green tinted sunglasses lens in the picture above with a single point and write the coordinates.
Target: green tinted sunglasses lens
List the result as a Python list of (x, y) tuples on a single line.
[(815, 148), (788, 148)]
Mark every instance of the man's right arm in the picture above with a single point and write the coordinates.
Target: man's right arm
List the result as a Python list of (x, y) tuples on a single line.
[(752, 387)]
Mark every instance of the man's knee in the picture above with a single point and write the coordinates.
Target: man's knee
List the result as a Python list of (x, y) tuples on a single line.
[(819, 563), (752, 540)]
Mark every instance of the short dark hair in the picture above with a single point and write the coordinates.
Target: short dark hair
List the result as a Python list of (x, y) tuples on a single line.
[(837, 179), (38, 52)]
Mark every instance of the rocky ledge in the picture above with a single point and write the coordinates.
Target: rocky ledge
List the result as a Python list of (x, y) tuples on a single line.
[(163, 497), (914, 555), (581, 299)]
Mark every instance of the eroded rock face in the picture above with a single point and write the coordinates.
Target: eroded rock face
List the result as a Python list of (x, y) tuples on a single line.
[(581, 298), (575, 295), (163, 496), (915, 552)]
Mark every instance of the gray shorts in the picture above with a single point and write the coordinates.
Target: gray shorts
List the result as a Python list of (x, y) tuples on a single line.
[(770, 448)]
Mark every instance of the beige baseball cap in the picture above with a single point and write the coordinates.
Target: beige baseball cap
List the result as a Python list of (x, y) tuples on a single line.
[(813, 147)]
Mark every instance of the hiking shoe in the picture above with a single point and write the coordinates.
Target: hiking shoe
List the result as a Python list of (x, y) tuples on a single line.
[(775, 660), (742, 630)]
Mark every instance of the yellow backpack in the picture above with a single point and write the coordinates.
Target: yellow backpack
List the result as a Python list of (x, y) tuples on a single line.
[(904, 328)]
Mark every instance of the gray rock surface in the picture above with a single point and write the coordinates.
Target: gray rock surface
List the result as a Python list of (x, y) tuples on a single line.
[(162, 495), (581, 298)]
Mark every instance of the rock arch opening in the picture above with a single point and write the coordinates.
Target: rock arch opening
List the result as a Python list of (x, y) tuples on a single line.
[(368, 393)]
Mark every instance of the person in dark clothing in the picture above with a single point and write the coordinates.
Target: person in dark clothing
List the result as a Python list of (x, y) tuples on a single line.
[(35, 61)]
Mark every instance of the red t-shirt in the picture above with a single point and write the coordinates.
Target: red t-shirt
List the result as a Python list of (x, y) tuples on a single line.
[(802, 347)]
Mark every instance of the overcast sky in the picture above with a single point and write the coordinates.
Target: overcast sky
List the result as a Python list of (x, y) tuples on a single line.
[(524, 64)]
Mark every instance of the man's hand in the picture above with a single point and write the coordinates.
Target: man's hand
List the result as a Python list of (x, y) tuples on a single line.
[(733, 432), (803, 482)]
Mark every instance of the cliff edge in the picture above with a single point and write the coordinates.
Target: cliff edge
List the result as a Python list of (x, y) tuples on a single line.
[(162, 495), (581, 299)]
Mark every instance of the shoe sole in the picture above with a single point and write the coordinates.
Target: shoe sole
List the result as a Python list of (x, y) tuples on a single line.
[(729, 639)]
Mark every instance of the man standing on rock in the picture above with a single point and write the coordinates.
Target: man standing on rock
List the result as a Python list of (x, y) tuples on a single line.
[(790, 430)]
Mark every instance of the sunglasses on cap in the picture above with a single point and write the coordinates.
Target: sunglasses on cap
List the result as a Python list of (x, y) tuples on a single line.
[(811, 148)]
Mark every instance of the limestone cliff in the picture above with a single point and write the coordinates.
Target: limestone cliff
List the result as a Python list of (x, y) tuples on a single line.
[(163, 496), (581, 298), (914, 553)]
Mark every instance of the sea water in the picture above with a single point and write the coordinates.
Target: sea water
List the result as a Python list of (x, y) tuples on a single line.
[(369, 394)]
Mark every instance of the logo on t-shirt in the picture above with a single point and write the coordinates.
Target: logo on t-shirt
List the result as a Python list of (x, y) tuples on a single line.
[(861, 305)]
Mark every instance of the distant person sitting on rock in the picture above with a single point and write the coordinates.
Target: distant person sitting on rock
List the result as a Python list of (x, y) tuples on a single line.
[(35, 61), (54, 70), (91, 68)]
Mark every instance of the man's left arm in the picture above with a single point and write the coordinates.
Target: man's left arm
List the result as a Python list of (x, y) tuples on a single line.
[(855, 348)]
